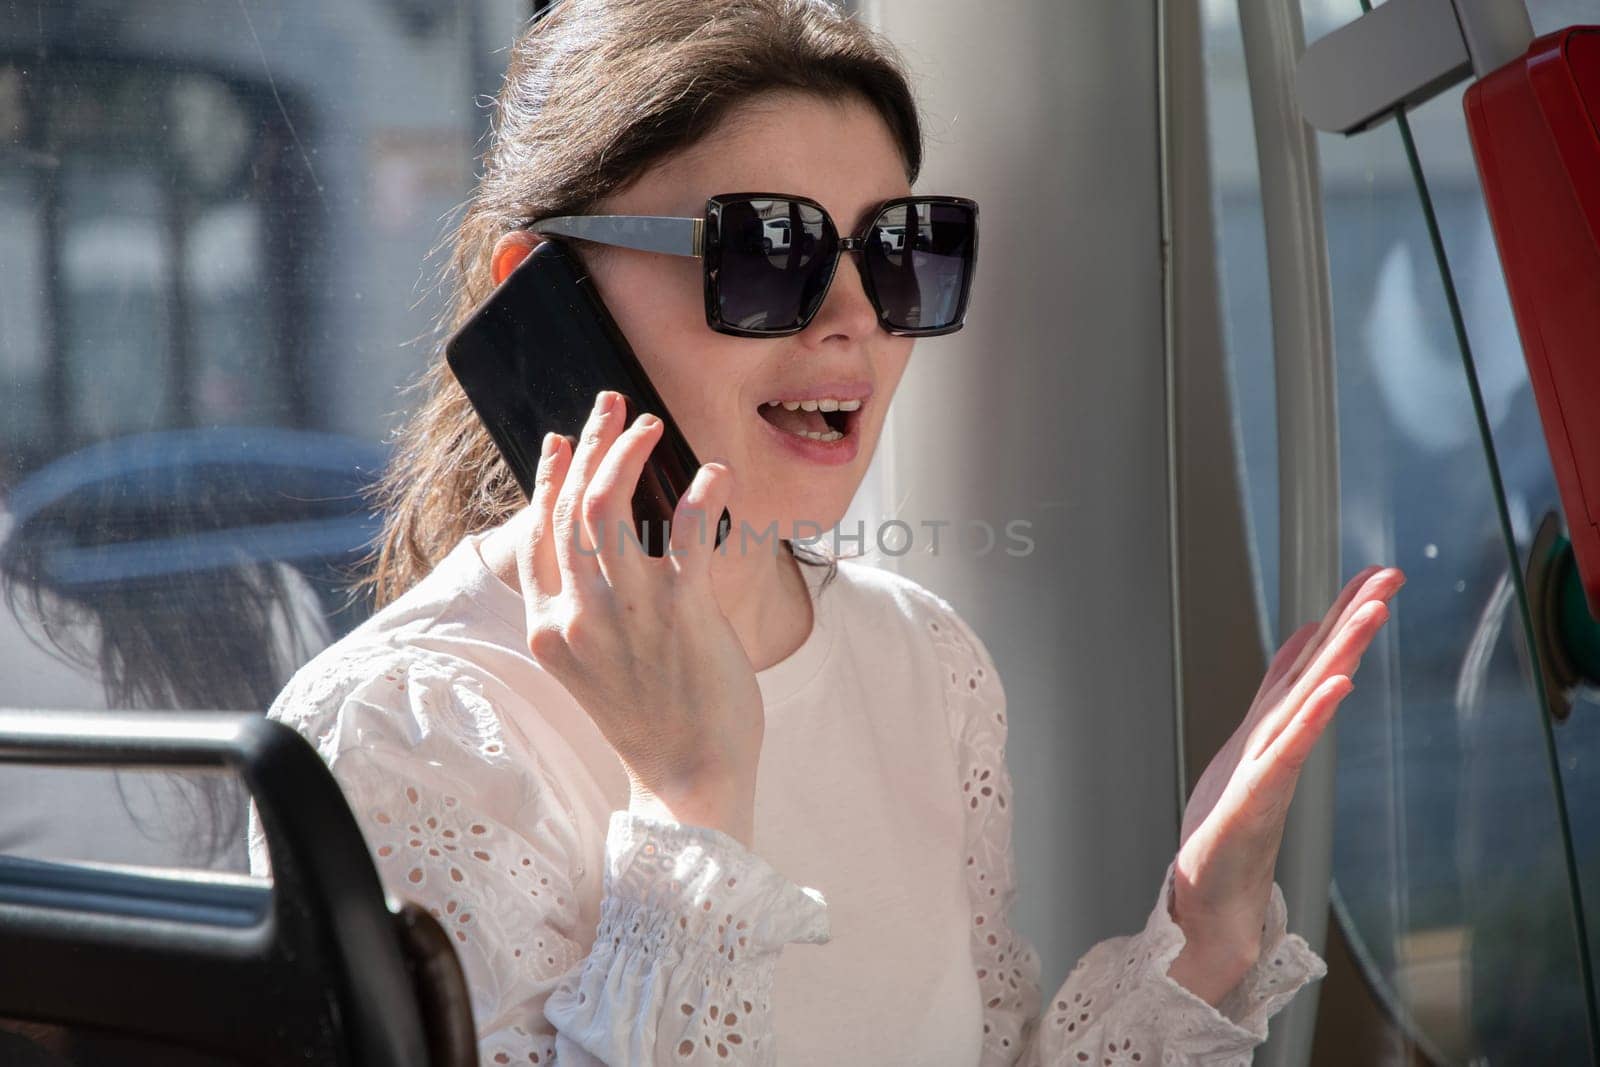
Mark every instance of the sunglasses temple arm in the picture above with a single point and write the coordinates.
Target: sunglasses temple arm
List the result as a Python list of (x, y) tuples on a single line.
[(646, 233)]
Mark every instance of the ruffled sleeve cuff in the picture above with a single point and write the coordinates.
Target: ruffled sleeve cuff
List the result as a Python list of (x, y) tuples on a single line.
[(1286, 963), (1239, 1023), (692, 924), (707, 888)]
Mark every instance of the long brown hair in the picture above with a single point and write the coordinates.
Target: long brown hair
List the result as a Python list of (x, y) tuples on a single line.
[(596, 92)]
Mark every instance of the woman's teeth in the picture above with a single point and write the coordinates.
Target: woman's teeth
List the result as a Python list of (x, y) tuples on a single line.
[(813, 427), (817, 405)]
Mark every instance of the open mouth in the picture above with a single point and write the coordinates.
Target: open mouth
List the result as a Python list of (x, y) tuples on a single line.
[(824, 421)]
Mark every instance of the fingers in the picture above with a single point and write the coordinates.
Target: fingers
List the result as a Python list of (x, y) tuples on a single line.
[(694, 521), (1371, 583), (1331, 620), (1360, 621), (1289, 752), (575, 553), (608, 504), (1290, 663), (1264, 784), (1344, 653), (1340, 657), (537, 566), (1286, 655)]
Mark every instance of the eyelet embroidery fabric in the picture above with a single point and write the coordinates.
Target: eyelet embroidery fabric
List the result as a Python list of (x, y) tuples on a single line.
[(1118, 1006), (690, 911), (680, 968)]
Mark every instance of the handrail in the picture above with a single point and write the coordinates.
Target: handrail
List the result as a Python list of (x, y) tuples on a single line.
[(1308, 455)]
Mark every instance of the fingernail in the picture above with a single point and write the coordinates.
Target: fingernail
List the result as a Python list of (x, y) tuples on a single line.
[(604, 402), (647, 421), (548, 449)]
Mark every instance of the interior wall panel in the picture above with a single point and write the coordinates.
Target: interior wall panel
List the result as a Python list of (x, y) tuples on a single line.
[(1049, 408)]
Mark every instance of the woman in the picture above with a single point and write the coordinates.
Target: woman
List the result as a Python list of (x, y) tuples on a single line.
[(552, 740)]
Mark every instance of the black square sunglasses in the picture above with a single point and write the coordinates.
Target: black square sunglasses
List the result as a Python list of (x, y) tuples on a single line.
[(770, 257)]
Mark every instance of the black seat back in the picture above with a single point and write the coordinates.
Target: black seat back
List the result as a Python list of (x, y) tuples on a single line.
[(119, 967)]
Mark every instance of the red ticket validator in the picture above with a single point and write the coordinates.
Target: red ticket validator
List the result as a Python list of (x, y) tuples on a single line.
[(1535, 128)]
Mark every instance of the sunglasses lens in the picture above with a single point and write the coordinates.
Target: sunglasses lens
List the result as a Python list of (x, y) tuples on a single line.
[(919, 256), (772, 262)]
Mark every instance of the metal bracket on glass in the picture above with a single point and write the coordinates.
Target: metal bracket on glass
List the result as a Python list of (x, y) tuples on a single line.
[(1402, 53)]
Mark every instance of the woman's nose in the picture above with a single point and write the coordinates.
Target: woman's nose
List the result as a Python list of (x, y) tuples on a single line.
[(845, 310)]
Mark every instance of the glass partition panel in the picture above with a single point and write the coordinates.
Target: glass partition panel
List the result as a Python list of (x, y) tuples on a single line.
[(1453, 873)]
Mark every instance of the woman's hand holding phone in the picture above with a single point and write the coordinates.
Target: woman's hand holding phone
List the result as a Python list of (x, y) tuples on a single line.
[(641, 641)]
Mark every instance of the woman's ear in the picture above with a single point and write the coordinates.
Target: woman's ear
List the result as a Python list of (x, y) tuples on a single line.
[(511, 249)]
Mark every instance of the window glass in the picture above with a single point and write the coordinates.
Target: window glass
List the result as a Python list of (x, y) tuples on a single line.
[(22, 319), (217, 228), (235, 377), (116, 266), (1451, 872)]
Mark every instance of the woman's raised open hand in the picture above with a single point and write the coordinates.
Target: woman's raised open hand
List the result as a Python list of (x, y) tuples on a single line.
[(640, 641), (1234, 822)]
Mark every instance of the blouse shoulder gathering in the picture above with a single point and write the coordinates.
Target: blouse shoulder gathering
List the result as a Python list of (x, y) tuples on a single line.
[(1118, 1005), (680, 967)]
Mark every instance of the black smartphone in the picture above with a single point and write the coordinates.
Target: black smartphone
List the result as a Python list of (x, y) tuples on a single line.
[(531, 360)]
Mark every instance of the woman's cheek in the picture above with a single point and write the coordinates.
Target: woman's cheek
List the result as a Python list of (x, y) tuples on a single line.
[(703, 424)]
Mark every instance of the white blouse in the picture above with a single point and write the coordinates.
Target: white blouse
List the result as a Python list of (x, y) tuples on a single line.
[(868, 924)]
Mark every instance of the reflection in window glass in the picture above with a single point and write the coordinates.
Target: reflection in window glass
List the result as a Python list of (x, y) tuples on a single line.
[(22, 320), (117, 328), (132, 817), (217, 228), (235, 379)]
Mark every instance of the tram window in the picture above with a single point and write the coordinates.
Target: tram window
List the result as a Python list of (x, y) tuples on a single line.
[(1451, 881), (140, 193), (22, 316), (216, 229)]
